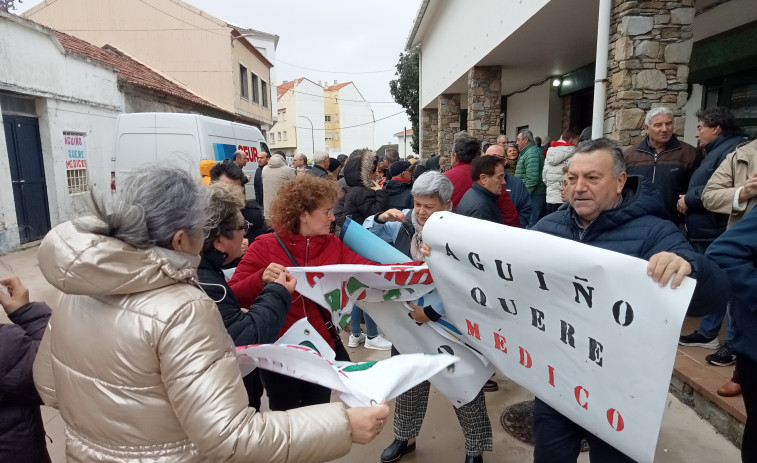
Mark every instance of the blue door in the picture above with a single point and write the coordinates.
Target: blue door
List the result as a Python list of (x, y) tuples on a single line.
[(28, 177)]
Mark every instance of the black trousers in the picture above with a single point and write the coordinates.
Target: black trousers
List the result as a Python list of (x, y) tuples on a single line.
[(286, 393), (558, 439), (746, 370)]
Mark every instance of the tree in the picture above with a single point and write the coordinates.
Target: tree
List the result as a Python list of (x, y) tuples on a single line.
[(6, 5), (405, 90)]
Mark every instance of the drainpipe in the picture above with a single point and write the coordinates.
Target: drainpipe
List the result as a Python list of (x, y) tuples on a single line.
[(600, 74)]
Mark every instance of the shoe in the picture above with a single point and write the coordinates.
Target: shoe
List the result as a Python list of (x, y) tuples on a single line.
[(723, 357), (474, 459), (697, 339), (491, 386), (729, 389), (356, 340), (378, 343), (395, 451)]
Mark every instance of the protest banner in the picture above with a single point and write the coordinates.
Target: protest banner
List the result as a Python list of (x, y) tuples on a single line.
[(357, 384), (584, 329)]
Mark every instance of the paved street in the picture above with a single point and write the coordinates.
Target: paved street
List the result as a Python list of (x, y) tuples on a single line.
[(684, 438)]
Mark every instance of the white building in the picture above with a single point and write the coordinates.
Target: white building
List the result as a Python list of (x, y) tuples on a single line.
[(301, 122), (403, 142), (59, 100)]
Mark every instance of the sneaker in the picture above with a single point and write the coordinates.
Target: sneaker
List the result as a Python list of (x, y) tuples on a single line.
[(378, 343), (356, 340), (723, 357), (697, 339)]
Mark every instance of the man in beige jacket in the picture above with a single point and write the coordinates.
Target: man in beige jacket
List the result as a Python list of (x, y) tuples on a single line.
[(732, 189), (274, 175)]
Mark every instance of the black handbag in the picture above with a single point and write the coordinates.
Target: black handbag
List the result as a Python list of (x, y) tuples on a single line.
[(339, 349)]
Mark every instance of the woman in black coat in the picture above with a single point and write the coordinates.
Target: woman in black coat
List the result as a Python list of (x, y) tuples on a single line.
[(22, 433)]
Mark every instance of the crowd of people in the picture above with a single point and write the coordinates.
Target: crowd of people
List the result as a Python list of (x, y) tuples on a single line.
[(138, 355)]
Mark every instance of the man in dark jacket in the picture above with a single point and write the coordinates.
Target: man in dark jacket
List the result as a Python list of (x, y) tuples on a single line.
[(398, 185), (719, 134), (514, 187), (612, 211), (736, 253), (663, 159), (22, 432), (320, 164), (480, 201), (258, 180)]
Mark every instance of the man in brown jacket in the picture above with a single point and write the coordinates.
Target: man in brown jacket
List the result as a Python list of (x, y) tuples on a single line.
[(663, 159), (732, 189)]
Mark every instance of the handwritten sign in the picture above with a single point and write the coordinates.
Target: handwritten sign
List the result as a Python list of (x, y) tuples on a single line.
[(76, 152)]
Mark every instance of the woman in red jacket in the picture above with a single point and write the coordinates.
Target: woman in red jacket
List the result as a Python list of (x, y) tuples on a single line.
[(302, 217)]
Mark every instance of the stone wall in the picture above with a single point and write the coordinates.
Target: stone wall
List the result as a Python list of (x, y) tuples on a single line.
[(449, 123), (429, 132), (484, 101), (650, 47)]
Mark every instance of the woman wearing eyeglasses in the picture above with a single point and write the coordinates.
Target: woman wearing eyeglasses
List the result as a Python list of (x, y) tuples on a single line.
[(302, 216)]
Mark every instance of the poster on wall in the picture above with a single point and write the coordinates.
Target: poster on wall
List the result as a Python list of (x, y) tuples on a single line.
[(76, 151)]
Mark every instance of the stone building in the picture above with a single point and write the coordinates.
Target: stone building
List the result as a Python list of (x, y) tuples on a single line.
[(533, 65)]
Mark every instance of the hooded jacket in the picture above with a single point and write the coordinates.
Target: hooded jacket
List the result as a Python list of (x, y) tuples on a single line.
[(22, 432), (669, 170), (701, 224), (558, 155), (718, 195), (139, 364), (274, 174), (636, 228), (361, 200)]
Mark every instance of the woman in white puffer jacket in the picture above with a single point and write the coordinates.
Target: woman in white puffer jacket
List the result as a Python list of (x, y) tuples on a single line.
[(558, 155)]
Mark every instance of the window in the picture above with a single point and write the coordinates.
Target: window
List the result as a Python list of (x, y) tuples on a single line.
[(336, 135), (278, 134), (285, 135), (328, 118), (255, 94), (264, 92), (328, 136), (76, 162), (282, 114), (244, 88)]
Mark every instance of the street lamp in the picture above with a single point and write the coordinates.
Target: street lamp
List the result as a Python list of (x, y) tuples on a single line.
[(312, 135)]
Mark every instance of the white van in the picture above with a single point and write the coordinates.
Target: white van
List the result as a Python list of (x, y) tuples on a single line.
[(183, 140)]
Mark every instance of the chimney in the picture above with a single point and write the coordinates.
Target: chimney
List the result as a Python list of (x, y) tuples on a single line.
[(285, 81), (334, 81), (319, 83)]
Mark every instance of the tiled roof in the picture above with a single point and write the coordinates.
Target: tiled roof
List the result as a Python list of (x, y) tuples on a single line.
[(283, 88), (130, 70), (409, 132), (338, 86)]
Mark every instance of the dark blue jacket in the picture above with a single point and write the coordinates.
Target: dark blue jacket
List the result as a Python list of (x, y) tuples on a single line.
[(258, 185), (701, 224), (400, 194), (265, 318), (736, 253), (636, 228), (22, 432), (520, 197), (480, 203)]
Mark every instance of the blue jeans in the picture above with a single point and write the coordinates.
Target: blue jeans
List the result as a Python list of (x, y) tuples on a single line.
[(538, 206), (558, 440), (710, 324), (370, 326)]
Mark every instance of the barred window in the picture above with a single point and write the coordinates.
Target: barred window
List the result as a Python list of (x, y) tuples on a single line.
[(76, 162), (77, 181)]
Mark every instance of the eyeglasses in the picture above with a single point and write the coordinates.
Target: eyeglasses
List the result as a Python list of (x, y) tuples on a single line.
[(244, 227), (327, 212)]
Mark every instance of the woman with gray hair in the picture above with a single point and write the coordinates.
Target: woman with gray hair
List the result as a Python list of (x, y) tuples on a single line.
[(432, 192), (136, 356)]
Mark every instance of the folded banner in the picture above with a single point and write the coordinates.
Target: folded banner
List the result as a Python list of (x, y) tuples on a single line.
[(574, 324), (339, 287), (357, 384)]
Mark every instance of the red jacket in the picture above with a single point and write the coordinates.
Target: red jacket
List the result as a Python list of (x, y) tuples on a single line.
[(461, 183), (308, 251)]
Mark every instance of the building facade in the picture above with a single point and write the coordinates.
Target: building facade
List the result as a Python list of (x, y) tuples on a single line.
[(526, 66), (204, 53)]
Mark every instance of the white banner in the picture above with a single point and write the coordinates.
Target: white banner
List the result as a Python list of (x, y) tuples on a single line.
[(584, 329), (357, 384), (380, 292)]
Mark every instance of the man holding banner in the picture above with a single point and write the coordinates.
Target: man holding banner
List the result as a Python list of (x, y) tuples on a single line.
[(610, 210)]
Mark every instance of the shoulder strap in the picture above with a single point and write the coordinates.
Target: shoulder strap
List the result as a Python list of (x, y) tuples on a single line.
[(283, 246)]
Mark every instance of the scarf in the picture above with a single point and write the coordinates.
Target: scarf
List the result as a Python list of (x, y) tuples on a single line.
[(416, 242)]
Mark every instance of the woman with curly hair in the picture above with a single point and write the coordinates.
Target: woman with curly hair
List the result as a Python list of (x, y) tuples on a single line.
[(301, 215)]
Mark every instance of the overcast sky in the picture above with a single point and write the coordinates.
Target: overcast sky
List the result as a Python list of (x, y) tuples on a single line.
[(335, 39)]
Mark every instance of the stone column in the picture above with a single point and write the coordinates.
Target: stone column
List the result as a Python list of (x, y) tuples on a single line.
[(484, 98), (449, 123), (650, 47), (430, 132)]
